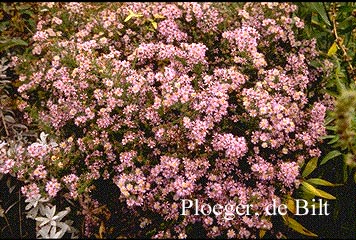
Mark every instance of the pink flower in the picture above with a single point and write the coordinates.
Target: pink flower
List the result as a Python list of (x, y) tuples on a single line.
[(40, 172), (57, 21), (52, 187), (37, 150), (288, 173), (6, 166), (234, 147), (30, 190), (40, 36)]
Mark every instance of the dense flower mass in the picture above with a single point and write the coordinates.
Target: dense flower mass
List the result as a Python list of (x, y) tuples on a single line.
[(170, 101)]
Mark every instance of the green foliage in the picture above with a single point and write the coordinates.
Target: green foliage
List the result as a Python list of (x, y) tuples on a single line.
[(329, 156), (316, 192), (310, 167), (292, 223), (17, 24), (333, 25)]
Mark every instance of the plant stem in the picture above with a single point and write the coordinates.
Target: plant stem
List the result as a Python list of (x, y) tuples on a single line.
[(339, 40), (8, 224), (4, 123), (20, 219)]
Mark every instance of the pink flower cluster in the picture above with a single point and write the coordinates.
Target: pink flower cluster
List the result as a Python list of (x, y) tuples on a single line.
[(190, 109)]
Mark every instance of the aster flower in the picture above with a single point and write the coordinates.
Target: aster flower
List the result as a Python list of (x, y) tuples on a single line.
[(175, 112)]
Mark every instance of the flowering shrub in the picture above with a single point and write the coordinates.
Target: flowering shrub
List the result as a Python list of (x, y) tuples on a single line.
[(170, 101)]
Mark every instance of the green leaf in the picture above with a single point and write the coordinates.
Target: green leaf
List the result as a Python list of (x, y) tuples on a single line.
[(334, 140), (290, 204), (317, 192), (333, 49), (11, 43), (262, 233), (290, 222), (128, 17), (23, 6), (331, 128), (346, 23), (322, 182), (345, 172), (154, 24), (328, 120), (315, 63), (310, 167), (132, 14), (330, 156), (327, 136), (318, 6)]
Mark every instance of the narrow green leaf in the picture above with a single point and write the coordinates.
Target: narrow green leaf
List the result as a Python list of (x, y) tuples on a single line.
[(330, 156), (310, 167), (334, 140), (290, 222), (11, 43), (291, 204), (322, 182), (317, 192), (328, 120), (318, 6), (315, 63), (135, 14), (262, 233), (132, 14), (332, 128), (23, 7), (327, 136), (333, 49), (128, 17), (346, 23)]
